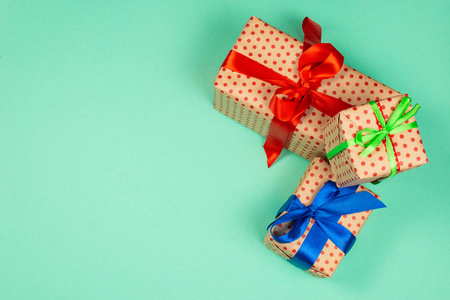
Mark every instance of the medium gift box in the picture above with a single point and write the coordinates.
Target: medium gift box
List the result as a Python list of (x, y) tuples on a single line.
[(319, 223), (374, 141), (286, 90)]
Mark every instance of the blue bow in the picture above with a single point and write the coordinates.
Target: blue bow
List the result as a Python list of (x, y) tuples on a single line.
[(328, 206)]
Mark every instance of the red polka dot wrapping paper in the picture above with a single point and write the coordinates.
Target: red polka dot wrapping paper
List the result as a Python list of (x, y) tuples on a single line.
[(352, 169), (315, 177), (246, 99)]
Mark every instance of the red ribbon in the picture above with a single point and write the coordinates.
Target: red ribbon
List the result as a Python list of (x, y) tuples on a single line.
[(317, 62)]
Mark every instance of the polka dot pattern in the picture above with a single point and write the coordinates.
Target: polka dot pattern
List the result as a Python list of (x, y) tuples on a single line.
[(351, 169), (249, 118), (315, 177), (246, 99)]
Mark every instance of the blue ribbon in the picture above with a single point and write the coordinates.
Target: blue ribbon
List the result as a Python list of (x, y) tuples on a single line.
[(330, 203)]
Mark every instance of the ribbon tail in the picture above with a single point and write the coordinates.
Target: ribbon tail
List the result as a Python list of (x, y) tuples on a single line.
[(310, 249), (349, 204), (338, 234), (312, 31), (279, 135)]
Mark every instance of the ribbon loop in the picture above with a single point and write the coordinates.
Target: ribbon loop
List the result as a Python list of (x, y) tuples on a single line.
[(320, 61), (328, 206)]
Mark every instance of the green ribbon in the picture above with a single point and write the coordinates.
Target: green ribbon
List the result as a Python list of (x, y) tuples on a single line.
[(374, 137)]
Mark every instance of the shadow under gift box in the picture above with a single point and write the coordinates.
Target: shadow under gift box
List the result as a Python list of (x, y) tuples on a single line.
[(352, 169), (313, 180), (246, 99)]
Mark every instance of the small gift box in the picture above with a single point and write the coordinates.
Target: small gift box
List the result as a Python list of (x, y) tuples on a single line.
[(317, 226), (286, 90), (374, 141)]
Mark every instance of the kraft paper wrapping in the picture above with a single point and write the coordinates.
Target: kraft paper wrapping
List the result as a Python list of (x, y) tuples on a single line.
[(315, 177), (246, 99), (351, 169)]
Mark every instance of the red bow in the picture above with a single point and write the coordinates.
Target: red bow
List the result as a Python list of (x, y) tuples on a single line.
[(317, 62)]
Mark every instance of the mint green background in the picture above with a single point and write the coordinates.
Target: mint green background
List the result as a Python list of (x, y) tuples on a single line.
[(120, 181)]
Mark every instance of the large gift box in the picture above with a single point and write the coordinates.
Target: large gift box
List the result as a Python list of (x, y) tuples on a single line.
[(269, 73), (374, 141), (319, 222)]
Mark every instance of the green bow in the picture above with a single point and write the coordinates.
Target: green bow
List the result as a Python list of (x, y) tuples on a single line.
[(374, 137)]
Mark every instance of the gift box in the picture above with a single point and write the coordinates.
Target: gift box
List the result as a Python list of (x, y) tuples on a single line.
[(272, 65), (374, 141), (311, 231)]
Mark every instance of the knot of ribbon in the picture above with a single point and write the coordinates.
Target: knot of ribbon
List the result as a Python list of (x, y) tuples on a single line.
[(370, 138), (317, 62), (292, 99), (330, 203)]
